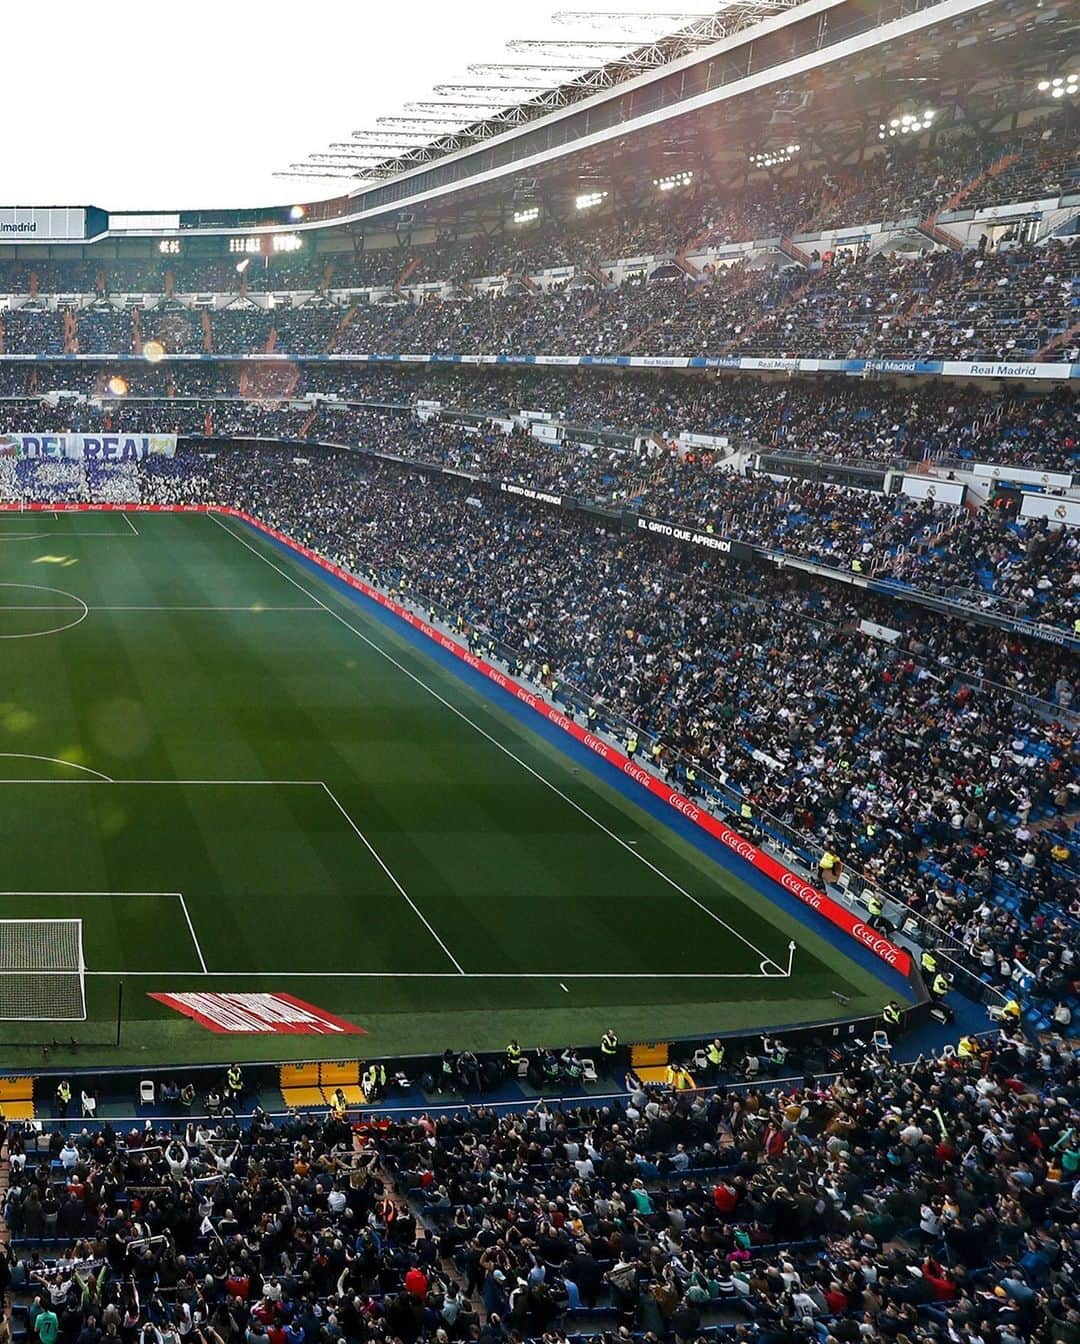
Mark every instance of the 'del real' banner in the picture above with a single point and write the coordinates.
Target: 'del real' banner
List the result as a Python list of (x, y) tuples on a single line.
[(88, 447)]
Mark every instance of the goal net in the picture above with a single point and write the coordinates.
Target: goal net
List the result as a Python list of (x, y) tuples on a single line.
[(42, 971)]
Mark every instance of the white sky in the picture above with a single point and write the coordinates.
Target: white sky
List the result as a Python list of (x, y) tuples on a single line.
[(196, 103)]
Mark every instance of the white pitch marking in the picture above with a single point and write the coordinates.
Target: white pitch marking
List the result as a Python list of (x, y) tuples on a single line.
[(254, 610), (298, 783), (56, 760), (496, 743), (463, 975), (378, 859), (41, 588), (191, 930), (130, 523)]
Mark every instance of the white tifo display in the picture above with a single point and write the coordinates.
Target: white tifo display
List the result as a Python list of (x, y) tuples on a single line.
[(42, 971)]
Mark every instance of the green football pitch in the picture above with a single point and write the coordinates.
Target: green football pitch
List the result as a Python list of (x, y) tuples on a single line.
[(240, 780)]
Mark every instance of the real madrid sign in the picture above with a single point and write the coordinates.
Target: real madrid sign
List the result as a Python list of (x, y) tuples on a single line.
[(88, 447), (37, 224)]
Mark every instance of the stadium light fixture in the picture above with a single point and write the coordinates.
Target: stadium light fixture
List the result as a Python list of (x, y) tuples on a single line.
[(588, 199), (297, 213), (674, 181), (286, 242), (169, 247), (774, 158), (249, 243), (909, 123), (1062, 86), (527, 216)]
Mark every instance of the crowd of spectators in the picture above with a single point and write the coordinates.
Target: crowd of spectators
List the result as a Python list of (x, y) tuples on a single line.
[(989, 557), (1016, 303), (836, 419), (971, 305)]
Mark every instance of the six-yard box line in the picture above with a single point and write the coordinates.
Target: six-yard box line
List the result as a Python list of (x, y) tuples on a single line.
[(836, 914)]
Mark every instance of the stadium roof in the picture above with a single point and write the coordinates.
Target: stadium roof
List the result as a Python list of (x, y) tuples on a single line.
[(821, 73), (598, 54)]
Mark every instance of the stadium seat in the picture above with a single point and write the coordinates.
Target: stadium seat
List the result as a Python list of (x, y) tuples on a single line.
[(17, 1098), (647, 1054), (303, 1098), (339, 1074)]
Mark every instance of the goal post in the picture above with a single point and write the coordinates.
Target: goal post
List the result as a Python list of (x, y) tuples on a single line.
[(42, 971)]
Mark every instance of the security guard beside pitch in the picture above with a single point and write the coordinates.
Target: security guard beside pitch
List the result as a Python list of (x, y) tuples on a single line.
[(373, 1082), (513, 1057), (927, 964), (609, 1048), (890, 1016), (940, 985), (234, 1082), (714, 1053)]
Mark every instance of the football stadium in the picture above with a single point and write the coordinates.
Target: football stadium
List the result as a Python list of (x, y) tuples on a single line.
[(539, 747)]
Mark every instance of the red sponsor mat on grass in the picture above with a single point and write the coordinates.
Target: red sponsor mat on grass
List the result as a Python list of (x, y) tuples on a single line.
[(274, 1014)]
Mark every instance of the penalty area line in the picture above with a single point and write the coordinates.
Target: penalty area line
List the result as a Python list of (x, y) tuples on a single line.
[(400, 889), (191, 930)]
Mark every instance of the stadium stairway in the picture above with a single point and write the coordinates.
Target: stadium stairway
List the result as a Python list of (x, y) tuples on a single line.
[(787, 300), (1000, 165), (408, 272), (792, 250), (207, 332), (5, 1181), (686, 265), (931, 229), (339, 331), (1067, 337)]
